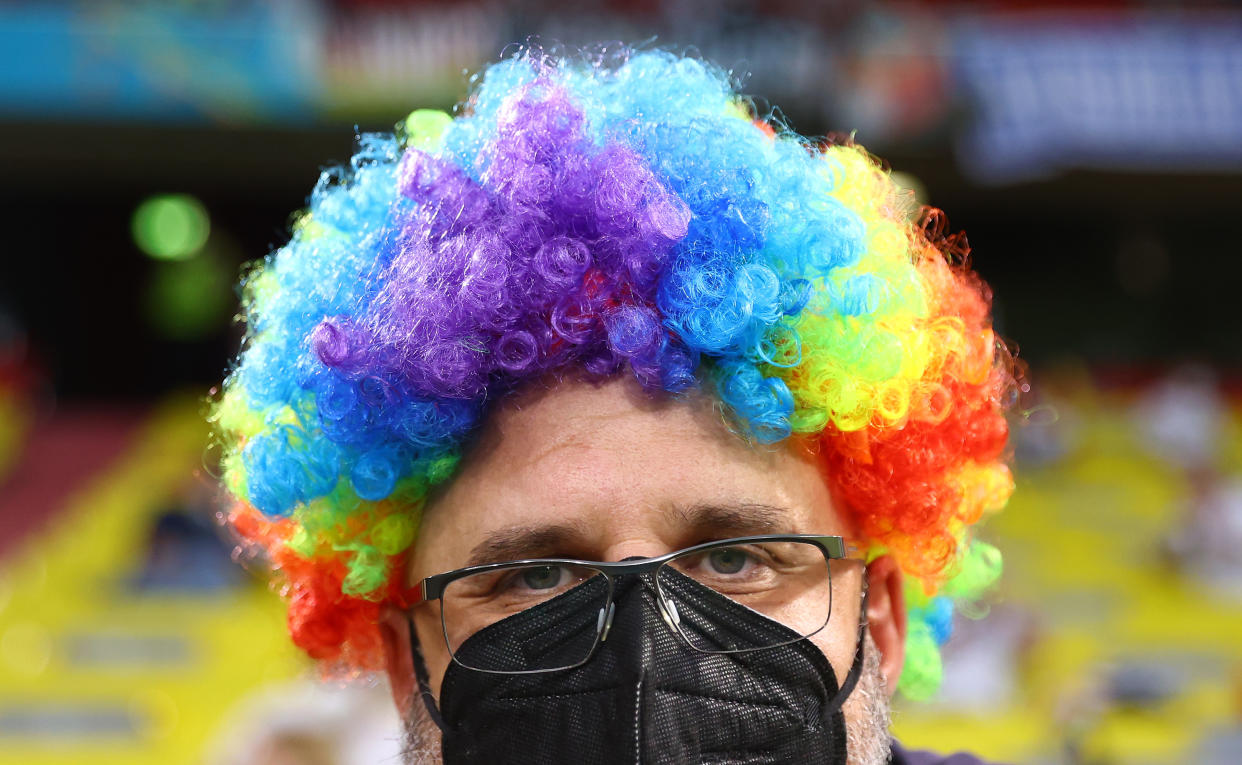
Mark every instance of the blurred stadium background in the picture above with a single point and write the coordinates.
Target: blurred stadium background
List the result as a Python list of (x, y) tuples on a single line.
[(1093, 152)]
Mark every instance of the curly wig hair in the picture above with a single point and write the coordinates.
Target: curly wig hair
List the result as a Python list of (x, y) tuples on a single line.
[(626, 214)]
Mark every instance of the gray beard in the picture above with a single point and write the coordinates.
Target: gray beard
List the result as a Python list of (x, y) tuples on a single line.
[(866, 712)]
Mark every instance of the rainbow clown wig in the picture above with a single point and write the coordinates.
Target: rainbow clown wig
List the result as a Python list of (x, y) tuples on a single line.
[(623, 217)]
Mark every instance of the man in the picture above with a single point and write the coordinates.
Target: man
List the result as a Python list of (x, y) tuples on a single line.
[(618, 425)]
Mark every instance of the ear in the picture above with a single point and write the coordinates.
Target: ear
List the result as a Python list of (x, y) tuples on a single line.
[(394, 630), (886, 616)]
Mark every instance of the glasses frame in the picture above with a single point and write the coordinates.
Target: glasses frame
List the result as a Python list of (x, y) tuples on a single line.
[(433, 587)]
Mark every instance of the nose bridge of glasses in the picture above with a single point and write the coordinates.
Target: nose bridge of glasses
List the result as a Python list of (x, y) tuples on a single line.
[(604, 623), (668, 609), (637, 576)]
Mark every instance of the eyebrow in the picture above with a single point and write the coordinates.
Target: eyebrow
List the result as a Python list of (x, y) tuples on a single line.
[(520, 542), (733, 519), (719, 521)]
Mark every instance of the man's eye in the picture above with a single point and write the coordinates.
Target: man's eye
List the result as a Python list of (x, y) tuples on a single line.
[(544, 577), (727, 560)]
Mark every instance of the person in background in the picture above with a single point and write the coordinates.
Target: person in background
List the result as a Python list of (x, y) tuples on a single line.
[(617, 422)]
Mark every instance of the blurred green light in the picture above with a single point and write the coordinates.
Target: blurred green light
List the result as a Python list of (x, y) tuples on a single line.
[(424, 128), (187, 300), (910, 183), (171, 226)]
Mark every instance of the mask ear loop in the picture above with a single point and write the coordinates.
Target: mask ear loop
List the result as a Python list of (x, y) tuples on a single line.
[(423, 677), (851, 679)]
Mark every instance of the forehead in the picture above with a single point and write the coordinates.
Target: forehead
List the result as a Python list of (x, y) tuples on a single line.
[(616, 466)]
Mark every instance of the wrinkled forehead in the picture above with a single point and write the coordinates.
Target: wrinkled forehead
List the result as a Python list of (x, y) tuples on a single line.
[(603, 463)]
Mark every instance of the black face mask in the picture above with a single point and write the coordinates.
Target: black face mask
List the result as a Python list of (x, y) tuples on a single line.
[(645, 696)]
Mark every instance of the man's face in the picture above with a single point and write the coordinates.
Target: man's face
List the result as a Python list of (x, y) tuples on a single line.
[(606, 473)]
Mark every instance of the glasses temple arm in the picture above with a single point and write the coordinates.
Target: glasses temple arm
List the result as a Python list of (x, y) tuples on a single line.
[(412, 597)]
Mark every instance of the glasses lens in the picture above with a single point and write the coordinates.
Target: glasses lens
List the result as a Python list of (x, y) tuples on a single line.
[(561, 634), (788, 582)]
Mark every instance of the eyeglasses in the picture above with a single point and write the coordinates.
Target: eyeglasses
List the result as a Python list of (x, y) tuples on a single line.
[(785, 577)]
